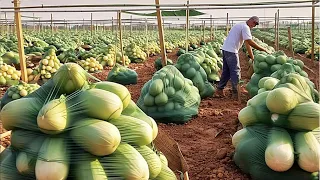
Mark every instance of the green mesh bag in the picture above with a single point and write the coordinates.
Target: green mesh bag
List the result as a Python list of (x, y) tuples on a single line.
[(249, 156), (169, 97), (122, 75), (191, 69)]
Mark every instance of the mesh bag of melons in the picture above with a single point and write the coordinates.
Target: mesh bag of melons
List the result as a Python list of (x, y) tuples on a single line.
[(17, 91), (191, 69), (83, 132), (122, 75), (169, 97), (267, 152)]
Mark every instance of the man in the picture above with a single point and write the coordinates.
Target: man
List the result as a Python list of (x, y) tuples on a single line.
[(238, 34)]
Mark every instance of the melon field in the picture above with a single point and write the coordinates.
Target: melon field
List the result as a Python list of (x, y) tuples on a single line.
[(92, 110)]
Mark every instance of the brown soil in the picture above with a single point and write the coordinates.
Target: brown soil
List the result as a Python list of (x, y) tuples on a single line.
[(205, 141)]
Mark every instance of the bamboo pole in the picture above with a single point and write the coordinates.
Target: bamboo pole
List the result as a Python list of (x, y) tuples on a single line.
[(23, 66), (120, 34), (161, 35), (147, 43), (91, 27), (312, 33), (187, 26), (290, 41), (278, 27)]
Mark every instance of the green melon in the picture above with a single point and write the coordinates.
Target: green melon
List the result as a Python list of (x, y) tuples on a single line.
[(263, 65), (161, 99), (260, 58), (156, 87), (148, 100), (281, 59), (270, 59)]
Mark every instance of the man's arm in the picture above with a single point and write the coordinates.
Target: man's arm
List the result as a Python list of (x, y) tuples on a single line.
[(255, 45), (248, 47)]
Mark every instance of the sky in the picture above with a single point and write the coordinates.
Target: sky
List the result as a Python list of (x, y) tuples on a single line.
[(262, 13)]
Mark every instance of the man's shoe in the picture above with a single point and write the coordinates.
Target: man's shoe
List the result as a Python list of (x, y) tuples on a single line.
[(219, 93)]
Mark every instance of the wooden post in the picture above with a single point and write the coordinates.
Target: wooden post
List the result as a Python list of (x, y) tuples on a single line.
[(112, 25), (83, 27), (130, 25), (227, 25), (187, 26), (33, 21), (275, 32), (51, 24), (290, 41), (161, 35), (147, 43), (17, 18), (120, 34), (312, 32), (7, 27), (278, 27), (211, 28), (39, 25), (91, 27), (203, 29)]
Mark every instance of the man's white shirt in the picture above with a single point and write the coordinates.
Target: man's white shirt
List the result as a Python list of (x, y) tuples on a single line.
[(237, 35)]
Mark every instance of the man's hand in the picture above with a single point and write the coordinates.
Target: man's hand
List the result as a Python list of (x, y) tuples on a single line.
[(267, 51)]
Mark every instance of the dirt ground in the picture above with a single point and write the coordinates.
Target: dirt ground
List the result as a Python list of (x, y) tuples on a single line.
[(205, 141)]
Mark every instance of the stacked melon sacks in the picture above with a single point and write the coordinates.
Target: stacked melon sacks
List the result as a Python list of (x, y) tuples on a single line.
[(71, 129), (280, 138)]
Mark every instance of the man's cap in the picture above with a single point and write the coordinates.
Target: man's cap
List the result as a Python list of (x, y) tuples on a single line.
[(255, 19)]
